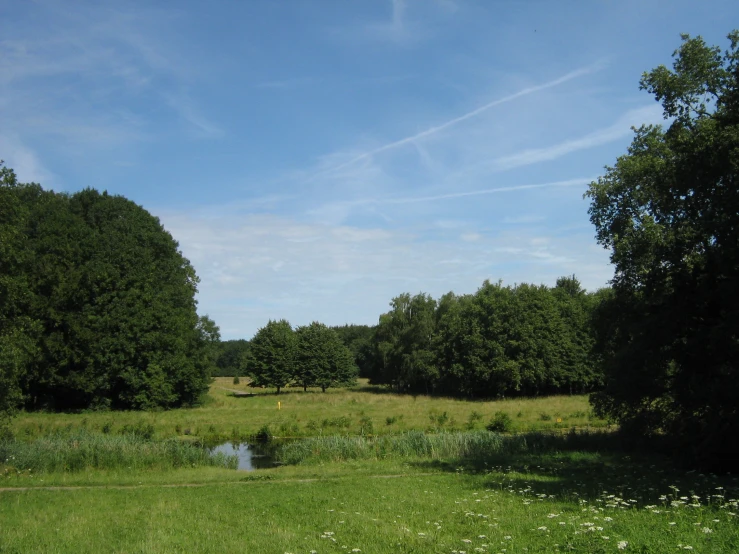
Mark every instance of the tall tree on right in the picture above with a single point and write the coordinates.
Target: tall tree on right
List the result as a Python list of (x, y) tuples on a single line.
[(669, 212)]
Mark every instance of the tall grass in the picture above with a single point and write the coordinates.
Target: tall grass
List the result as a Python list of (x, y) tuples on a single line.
[(473, 445), (83, 450)]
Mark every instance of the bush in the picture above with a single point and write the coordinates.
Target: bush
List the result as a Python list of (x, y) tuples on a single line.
[(501, 423), (264, 434), (237, 380), (365, 426)]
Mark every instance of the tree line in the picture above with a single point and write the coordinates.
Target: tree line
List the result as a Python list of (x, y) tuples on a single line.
[(501, 341)]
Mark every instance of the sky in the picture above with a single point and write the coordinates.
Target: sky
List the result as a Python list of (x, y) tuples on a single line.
[(316, 158)]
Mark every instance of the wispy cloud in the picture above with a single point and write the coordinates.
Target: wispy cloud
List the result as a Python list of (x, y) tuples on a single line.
[(453, 195), (464, 117), (620, 129), (288, 83), (24, 161), (110, 62), (201, 126), (396, 29), (339, 211)]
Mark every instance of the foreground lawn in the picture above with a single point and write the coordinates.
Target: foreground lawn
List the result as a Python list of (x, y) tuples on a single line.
[(364, 409), (573, 502)]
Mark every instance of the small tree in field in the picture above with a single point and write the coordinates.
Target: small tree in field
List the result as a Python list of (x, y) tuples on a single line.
[(323, 360), (272, 355)]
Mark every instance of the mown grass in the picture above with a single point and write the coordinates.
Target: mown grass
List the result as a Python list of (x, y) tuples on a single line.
[(363, 410), (84, 450), (566, 502)]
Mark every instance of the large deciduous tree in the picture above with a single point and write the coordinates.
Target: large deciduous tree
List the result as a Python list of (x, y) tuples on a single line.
[(99, 303), (669, 212)]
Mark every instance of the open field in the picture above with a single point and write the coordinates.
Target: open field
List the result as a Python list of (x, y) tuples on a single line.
[(419, 482), (364, 409), (559, 503)]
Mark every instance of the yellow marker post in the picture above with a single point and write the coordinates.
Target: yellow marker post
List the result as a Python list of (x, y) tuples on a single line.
[(279, 405)]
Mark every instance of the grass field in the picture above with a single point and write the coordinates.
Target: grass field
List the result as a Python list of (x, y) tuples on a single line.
[(364, 409), (563, 503), (442, 488)]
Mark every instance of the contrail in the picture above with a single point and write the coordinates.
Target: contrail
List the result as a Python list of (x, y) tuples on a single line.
[(433, 130), (567, 183)]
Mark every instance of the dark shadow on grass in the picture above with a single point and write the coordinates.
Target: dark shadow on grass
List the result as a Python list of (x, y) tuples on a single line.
[(588, 467), (386, 390)]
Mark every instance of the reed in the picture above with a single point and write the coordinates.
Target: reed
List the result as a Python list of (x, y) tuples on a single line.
[(82, 450)]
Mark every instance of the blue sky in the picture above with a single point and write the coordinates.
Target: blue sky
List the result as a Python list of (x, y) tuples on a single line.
[(316, 158)]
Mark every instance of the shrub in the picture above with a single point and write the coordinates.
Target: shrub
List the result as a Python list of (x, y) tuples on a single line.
[(365, 426), (264, 434), (139, 429), (236, 380), (438, 419), (501, 423)]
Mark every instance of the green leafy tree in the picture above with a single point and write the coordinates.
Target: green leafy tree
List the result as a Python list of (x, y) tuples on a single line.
[(359, 339), (18, 331), (405, 338), (107, 308), (668, 210), (272, 355), (231, 358), (323, 360)]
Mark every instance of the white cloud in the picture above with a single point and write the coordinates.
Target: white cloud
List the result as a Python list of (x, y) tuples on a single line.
[(257, 267), (24, 161)]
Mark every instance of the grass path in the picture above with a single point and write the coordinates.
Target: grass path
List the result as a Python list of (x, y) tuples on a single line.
[(211, 484)]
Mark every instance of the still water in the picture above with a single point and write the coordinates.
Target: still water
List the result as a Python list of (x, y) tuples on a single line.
[(250, 456)]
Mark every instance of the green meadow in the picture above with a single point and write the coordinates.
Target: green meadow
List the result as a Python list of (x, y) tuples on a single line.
[(364, 409), (369, 471)]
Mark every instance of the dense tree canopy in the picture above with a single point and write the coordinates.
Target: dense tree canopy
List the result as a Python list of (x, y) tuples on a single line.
[(502, 340), (310, 356), (358, 339), (97, 305), (231, 358), (18, 331), (322, 359), (669, 212)]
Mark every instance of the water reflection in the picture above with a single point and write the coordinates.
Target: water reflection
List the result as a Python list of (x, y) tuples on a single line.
[(250, 456)]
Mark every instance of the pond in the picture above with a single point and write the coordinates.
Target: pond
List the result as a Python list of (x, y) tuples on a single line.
[(251, 456)]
